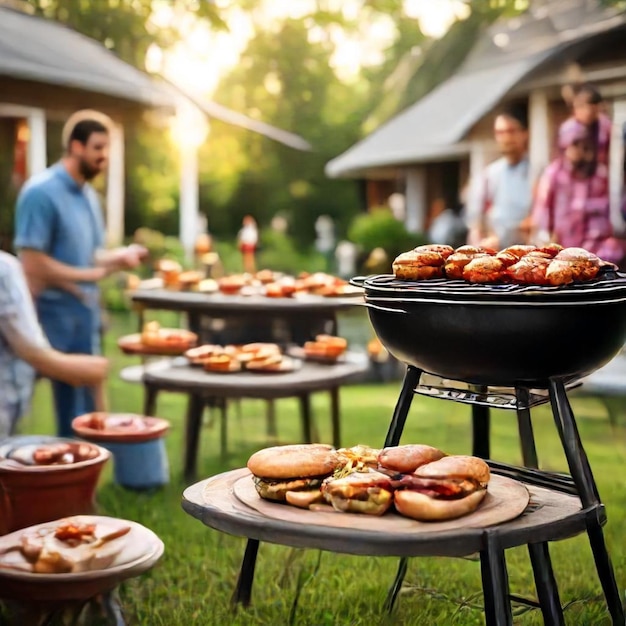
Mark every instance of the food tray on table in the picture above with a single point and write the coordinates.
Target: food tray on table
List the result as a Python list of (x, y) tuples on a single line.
[(298, 352), (548, 515), (287, 364), (505, 500), (133, 344)]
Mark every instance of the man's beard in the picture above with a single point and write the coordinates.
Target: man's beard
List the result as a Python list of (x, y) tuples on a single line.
[(584, 168), (88, 172)]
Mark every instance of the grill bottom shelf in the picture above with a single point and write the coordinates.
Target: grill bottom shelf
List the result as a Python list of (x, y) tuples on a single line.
[(494, 397)]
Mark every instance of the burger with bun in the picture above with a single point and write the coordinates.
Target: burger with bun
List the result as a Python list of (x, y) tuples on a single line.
[(369, 492), (406, 459), (445, 489), (292, 473)]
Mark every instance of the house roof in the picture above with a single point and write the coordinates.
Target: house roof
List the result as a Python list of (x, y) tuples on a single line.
[(45, 51), (434, 127)]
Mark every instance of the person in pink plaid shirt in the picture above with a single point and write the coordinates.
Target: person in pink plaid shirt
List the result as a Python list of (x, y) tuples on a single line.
[(572, 202), (586, 102)]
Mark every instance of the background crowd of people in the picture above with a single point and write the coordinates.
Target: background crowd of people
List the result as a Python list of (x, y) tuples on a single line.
[(59, 238), (569, 203)]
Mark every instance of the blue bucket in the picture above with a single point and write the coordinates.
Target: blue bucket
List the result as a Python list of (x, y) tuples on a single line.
[(141, 465)]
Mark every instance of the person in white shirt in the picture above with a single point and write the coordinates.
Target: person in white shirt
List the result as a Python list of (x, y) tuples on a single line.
[(25, 351), (500, 200)]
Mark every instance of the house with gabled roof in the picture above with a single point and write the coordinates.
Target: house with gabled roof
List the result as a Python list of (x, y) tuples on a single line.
[(432, 148), (48, 71)]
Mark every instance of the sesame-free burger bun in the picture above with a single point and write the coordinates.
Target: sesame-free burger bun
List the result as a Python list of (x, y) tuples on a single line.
[(408, 458), (426, 509), (297, 460), (456, 466)]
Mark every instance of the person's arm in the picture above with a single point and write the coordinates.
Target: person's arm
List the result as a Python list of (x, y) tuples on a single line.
[(43, 271), (124, 257), (74, 369)]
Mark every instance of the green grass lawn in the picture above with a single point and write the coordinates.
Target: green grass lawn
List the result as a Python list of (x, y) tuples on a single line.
[(194, 581)]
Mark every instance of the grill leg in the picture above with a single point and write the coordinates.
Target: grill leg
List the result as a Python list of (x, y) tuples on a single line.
[(525, 428), (606, 574), (481, 422), (572, 446), (545, 583), (495, 583), (411, 378), (243, 591), (585, 484)]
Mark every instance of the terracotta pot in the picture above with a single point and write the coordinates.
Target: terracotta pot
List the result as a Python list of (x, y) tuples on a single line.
[(125, 431), (32, 494), (142, 550), (136, 442)]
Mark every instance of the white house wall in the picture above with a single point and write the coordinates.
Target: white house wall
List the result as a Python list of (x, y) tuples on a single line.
[(539, 132), (416, 199), (616, 164)]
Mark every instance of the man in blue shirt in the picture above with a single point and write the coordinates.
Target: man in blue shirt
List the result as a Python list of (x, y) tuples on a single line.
[(59, 236)]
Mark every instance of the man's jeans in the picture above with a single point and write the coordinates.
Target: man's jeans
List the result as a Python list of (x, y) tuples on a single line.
[(70, 328)]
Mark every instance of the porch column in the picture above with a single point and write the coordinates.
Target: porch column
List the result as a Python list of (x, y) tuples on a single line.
[(539, 133), (415, 198), (36, 151), (190, 129), (616, 164), (188, 217), (115, 187)]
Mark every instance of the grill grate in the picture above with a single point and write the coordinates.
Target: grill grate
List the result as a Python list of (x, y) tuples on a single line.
[(609, 281)]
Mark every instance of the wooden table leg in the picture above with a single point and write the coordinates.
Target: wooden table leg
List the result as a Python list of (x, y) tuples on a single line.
[(194, 323), (495, 583), (150, 399), (243, 591), (272, 432), (335, 416), (193, 423), (305, 416), (223, 428)]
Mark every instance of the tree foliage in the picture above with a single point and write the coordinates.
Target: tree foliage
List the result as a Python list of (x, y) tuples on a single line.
[(123, 26), (291, 82), (285, 78)]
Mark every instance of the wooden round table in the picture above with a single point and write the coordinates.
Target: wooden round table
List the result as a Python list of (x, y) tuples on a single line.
[(300, 315), (222, 503), (203, 387)]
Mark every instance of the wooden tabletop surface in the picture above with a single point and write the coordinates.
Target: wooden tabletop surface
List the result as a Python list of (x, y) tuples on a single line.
[(220, 303), (214, 501), (176, 374)]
